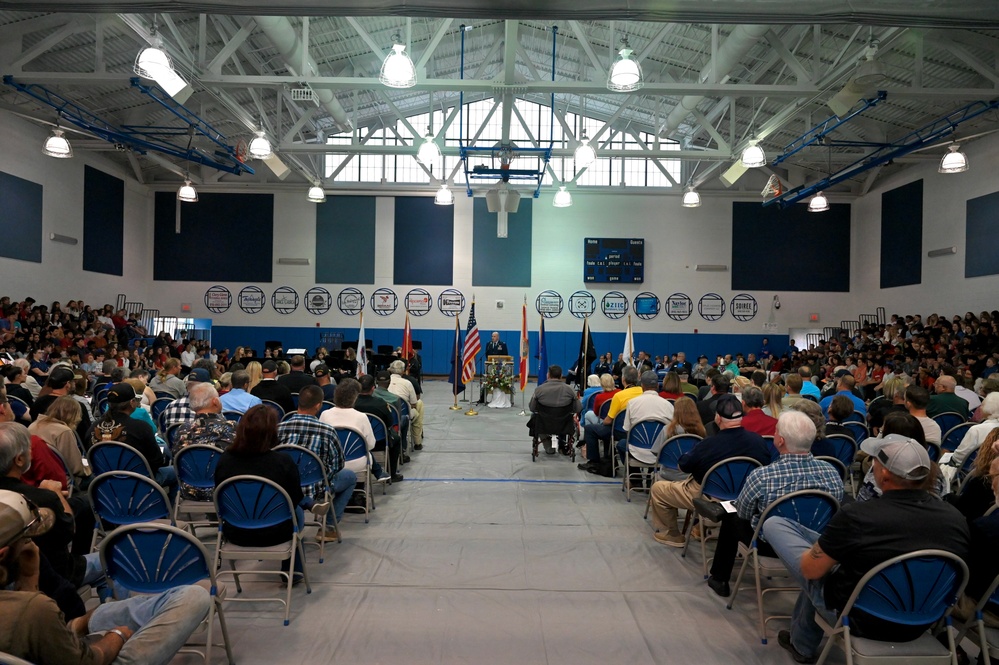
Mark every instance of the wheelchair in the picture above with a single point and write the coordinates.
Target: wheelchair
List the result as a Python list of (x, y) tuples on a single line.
[(560, 421)]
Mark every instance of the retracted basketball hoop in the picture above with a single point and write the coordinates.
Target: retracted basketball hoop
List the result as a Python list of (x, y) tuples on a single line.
[(773, 189), (242, 150)]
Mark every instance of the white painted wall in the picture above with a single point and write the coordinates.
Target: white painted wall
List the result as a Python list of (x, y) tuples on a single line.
[(59, 276)]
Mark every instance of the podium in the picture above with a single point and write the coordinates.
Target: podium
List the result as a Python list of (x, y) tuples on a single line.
[(499, 369)]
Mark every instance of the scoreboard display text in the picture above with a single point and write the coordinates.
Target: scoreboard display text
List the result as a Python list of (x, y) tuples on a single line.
[(614, 260)]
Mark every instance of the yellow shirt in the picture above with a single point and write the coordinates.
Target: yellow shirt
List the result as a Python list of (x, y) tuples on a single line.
[(620, 400)]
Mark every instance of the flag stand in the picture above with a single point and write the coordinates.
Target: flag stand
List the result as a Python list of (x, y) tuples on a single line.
[(455, 406), (523, 411)]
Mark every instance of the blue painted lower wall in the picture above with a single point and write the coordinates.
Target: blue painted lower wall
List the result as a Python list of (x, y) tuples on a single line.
[(563, 347)]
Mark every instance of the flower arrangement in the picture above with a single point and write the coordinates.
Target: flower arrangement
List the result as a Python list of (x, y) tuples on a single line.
[(496, 379)]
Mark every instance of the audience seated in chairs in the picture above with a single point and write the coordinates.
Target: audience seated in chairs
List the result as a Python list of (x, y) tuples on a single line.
[(550, 399), (606, 393), (57, 427), (603, 431), (367, 403), (650, 405), (401, 386), (180, 412), (209, 427), (345, 415), (238, 399)]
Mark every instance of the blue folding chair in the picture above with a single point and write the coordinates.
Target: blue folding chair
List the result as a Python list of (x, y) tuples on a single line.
[(120, 498), (588, 403), (722, 482), (233, 416), (195, 465), (988, 638), (774, 453), (859, 431), (159, 406), (380, 431), (274, 405), (354, 447), (20, 408), (948, 421), (326, 406), (116, 456), (856, 417), (153, 558), (846, 452), (644, 435), (312, 474), (251, 502), (673, 449), (952, 437), (160, 394), (914, 589), (810, 508), (404, 424), (294, 399), (604, 409)]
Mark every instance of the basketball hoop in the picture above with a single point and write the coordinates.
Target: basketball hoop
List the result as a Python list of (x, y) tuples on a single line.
[(773, 189), (242, 151)]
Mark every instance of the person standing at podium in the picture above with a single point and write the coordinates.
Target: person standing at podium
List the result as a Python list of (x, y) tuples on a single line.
[(496, 347)]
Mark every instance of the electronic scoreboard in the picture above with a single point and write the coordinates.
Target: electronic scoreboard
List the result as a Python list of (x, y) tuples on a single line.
[(614, 260)]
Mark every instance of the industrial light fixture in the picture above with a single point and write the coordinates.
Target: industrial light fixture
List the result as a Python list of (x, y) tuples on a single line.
[(398, 70), (155, 64), (429, 152), (819, 203), (260, 147), (625, 74), (57, 145), (691, 199), (752, 155), (585, 155), (563, 199), (316, 193), (187, 193), (870, 72), (954, 161), (444, 197)]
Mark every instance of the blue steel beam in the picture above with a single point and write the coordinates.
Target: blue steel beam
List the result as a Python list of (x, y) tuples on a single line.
[(815, 135)]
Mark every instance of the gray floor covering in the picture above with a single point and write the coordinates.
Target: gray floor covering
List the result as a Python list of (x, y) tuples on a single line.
[(483, 556)]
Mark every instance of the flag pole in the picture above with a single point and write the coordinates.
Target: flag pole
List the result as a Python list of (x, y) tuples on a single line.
[(523, 369), (457, 351), (471, 399)]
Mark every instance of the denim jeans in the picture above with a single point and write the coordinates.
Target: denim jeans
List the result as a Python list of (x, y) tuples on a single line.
[(343, 487), (593, 435), (161, 623), (790, 541)]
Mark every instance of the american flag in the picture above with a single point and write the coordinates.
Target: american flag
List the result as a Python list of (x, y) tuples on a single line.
[(471, 349)]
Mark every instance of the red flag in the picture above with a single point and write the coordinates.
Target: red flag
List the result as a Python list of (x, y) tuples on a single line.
[(472, 347), (407, 341), (525, 348)]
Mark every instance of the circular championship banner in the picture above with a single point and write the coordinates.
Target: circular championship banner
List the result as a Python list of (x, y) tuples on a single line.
[(350, 301), (679, 307), (743, 307), (646, 305), (251, 300), (582, 304), (284, 300), (218, 299), (451, 302), (384, 302), (614, 305), (418, 302), (318, 301), (549, 304), (711, 306)]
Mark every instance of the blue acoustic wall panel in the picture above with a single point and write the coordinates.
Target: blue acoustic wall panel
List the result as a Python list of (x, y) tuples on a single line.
[(103, 222), (345, 240), (501, 261), (790, 249), (21, 221), (980, 257), (424, 242), (902, 235), (223, 238)]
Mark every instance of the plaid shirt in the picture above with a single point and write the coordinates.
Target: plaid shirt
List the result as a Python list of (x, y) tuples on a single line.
[(208, 429), (788, 474), (309, 432), (178, 413)]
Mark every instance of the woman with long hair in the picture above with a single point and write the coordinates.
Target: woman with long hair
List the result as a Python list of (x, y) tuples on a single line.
[(167, 380), (57, 427), (977, 496), (671, 386), (256, 373), (773, 396), (686, 419)]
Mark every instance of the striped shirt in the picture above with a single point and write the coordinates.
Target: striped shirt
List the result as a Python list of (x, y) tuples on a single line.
[(790, 473)]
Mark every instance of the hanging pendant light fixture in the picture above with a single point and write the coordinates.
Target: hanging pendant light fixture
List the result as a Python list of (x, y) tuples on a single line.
[(563, 199), (187, 193), (260, 147), (585, 155), (753, 155), (691, 199), (316, 193), (625, 73), (429, 152), (819, 203), (154, 63), (954, 161), (444, 197), (398, 70), (57, 145)]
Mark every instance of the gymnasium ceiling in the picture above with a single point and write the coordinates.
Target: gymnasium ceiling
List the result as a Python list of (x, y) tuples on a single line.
[(715, 72)]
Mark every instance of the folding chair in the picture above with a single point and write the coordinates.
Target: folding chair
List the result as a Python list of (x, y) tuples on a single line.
[(858, 431), (171, 434), (233, 416), (195, 465), (810, 508), (952, 437), (159, 406), (396, 426), (251, 502), (722, 482), (326, 406), (617, 432), (840, 467), (845, 448), (673, 449), (116, 456), (19, 407), (948, 421), (120, 498), (988, 638), (311, 472), (644, 435), (934, 451), (355, 448), (380, 431), (152, 558), (65, 468), (774, 453), (160, 394), (274, 405), (915, 589), (405, 420)]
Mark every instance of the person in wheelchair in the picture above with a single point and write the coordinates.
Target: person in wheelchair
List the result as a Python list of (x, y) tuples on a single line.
[(552, 403)]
